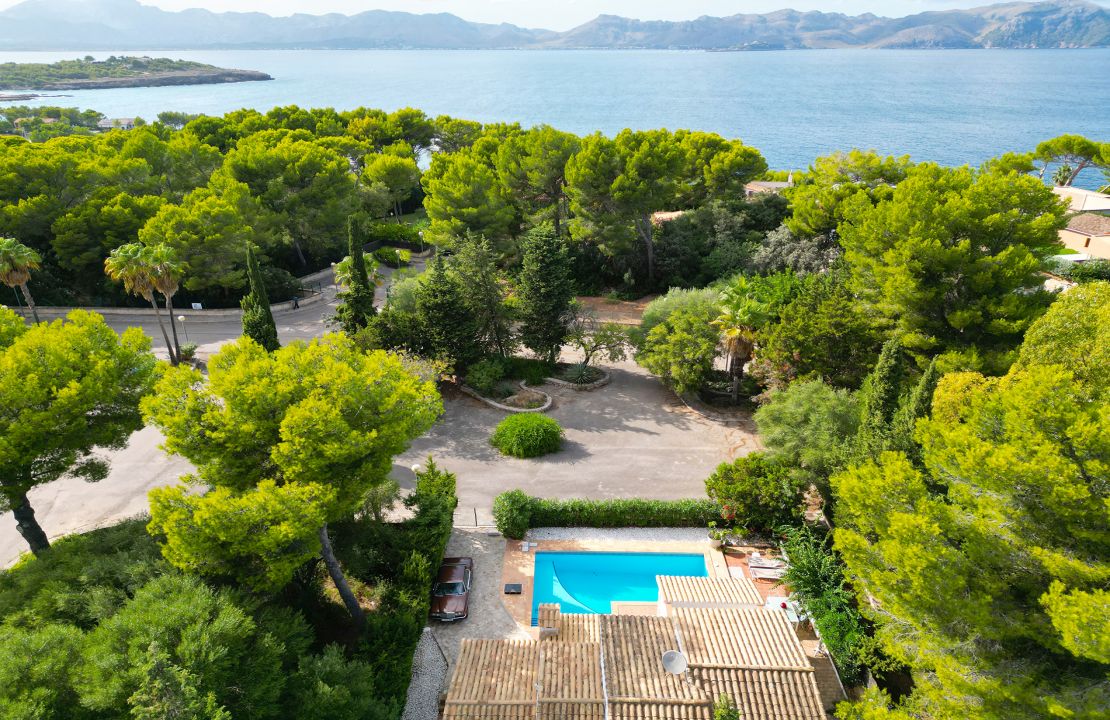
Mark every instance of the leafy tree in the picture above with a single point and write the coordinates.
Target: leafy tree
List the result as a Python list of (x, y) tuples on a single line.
[(820, 200), (1074, 153), (532, 167), (616, 185), (441, 308), (400, 175), (919, 404), (258, 319), (208, 230), (461, 194), (474, 268), (178, 623), (704, 301), (66, 388), (681, 349), (594, 338), (329, 685), (321, 421), (1075, 333), (952, 259), (981, 564), (545, 292), (756, 492), (725, 709), (453, 134), (823, 333), (810, 427), (16, 263), (781, 251), (747, 305), (356, 300)]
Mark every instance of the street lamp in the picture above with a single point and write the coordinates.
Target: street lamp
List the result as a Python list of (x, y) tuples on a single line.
[(421, 234), (181, 319)]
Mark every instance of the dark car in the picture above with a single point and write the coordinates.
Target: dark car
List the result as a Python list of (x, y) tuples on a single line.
[(451, 592)]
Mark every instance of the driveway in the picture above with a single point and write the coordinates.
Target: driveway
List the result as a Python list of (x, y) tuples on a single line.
[(631, 438)]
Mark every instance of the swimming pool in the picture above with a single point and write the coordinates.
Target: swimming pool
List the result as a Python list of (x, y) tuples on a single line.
[(589, 582)]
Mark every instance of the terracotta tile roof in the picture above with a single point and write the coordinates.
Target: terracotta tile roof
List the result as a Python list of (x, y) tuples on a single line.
[(494, 680), (570, 681), (568, 628), (739, 638), (765, 694), (633, 673), (1090, 224), (750, 654), (708, 592)]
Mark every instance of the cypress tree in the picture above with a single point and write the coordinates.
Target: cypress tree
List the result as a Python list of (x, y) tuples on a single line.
[(356, 302), (917, 405), (448, 327), (879, 400), (258, 321), (546, 292)]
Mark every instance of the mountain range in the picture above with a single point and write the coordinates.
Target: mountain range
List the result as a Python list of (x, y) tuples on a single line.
[(130, 25)]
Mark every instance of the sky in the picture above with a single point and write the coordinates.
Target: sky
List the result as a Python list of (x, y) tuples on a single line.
[(565, 14)]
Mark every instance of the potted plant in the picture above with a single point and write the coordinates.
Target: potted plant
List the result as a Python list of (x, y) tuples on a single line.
[(717, 536)]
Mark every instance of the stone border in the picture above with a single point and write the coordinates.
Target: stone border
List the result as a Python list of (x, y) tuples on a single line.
[(467, 390), (694, 403), (606, 378)]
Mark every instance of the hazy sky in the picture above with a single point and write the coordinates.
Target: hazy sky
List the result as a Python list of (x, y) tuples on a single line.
[(564, 14)]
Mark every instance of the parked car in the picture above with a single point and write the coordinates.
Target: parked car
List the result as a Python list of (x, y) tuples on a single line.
[(451, 592)]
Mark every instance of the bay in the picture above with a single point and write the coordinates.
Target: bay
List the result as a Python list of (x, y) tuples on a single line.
[(949, 106)]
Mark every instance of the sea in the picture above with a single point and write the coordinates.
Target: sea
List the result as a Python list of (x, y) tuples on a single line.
[(948, 106)]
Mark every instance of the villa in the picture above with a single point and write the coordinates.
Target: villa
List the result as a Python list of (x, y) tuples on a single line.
[(1089, 234), (727, 637)]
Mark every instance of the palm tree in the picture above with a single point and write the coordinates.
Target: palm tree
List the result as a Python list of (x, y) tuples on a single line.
[(737, 336), (166, 271), (131, 264), (16, 263)]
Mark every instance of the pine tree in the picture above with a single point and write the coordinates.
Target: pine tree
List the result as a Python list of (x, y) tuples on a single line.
[(449, 329), (546, 292), (475, 268), (356, 301), (879, 400), (258, 321)]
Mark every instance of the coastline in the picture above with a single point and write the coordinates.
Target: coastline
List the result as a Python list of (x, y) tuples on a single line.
[(162, 79)]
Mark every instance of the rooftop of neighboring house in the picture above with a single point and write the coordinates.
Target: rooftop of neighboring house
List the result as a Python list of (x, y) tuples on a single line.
[(1081, 200), (1091, 224)]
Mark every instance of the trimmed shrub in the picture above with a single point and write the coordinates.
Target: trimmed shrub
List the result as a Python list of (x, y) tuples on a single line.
[(394, 234), (512, 511), (527, 435), (531, 370), (515, 512), (392, 257)]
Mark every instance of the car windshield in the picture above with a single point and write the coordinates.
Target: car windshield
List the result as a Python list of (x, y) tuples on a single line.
[(449, 588)]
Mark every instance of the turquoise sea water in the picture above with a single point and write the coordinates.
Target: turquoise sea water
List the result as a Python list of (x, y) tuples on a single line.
[(588, 582), (950, 106)]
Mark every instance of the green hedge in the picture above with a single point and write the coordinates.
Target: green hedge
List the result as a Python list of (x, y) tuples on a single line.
[(515, 512)]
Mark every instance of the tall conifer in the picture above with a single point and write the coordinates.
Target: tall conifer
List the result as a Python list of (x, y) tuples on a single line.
[(258, 321)]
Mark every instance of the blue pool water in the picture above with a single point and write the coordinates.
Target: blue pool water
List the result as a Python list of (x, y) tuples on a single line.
[(588, 582)]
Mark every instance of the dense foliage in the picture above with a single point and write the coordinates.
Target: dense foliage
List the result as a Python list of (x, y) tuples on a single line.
[(515, 512), (527, 435), (756, 492)]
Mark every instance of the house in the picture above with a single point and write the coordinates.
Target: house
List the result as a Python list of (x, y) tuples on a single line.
[(598, 667), (116, 124), (1088, 233), (1080, 200)]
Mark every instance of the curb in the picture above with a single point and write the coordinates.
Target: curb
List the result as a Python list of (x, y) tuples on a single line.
[(696, 405), (606, 378), (467, 390)]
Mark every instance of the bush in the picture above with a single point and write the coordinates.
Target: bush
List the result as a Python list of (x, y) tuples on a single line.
[(756, 492), (531, 370), (484, 375), (392, 257), (515, 512), (527, 435), (512, 512), (394, 234)]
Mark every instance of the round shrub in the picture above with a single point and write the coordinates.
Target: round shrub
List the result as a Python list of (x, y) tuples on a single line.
[(527, 435), (756, 493), (512, 511)]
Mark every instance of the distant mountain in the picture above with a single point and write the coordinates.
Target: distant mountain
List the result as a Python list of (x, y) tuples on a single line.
[(129, 25)]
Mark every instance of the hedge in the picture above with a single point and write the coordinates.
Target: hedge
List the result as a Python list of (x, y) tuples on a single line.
[(515, 512)]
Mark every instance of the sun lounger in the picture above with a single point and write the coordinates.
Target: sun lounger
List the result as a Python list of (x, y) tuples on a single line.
[(760, 573)]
